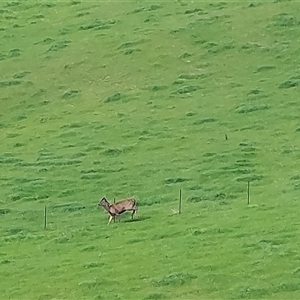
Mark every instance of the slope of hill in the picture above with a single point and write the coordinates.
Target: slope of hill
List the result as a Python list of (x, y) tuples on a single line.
[(142, 99)]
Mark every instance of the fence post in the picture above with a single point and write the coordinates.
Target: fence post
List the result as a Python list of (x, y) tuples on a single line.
[(45, 217), (114, 216), (179, 207), (248, 193)]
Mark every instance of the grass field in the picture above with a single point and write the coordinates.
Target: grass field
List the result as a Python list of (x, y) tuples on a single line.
[(142, 99)]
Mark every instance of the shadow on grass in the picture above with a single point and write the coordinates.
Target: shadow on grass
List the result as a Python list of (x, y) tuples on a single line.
[(138, 219)]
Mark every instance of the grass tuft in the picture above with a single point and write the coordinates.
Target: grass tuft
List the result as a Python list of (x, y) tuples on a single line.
[(176, 279)]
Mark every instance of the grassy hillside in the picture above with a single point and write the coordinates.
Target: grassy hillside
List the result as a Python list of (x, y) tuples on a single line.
[(142, 99)]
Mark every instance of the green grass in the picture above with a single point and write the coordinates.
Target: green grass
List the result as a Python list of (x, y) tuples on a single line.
[(141, 99)]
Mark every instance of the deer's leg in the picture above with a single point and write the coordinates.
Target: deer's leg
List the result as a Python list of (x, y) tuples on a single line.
[(133, 212), (110, 218)]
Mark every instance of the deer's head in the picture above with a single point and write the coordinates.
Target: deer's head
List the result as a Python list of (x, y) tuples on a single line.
[(103, 202)]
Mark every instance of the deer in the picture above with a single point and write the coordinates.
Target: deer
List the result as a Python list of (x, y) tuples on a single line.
[(116, 209)]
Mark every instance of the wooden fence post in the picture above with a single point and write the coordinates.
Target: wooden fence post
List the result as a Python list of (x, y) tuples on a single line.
[(179, 207), (114, 217), (248, 193), (45, 217)]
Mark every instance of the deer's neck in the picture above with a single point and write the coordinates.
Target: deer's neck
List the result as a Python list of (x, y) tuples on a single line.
[(110, 209)]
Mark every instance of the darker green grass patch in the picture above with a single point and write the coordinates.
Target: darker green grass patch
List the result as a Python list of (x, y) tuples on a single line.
[(12, 135), (197, 198), (29, 181), (95, 283), (59, 46), (243, 163), (88, 248), (152, 7), (46, 41), (37, 16), (97, 25), (112, 151), (131, 50), (91, 265), (214, 48), (14, 52), (156, 88), (135, 240), (14, 230), (83, 13), (191, 114), (9, 83), (296, 272), (67, 207), (252, 127), (154, 296), (93, 147), (251, 292), (209, 154), (4, 211), (250, 177), (254, 48), (249, 150), (21, 117), (45, 296), (2, 55), (193, 11), (149, 201), (264, 68), (70, 94), (29, 194), (114, 98), (68, 134), (6, 261), (254, 92), (287, 287), (194, 76), (91, 176), (67, 193), (247, 146), (295, 177), (175, 180), (290, 83), (187, 89), (167, 235), (78, 154), (8, 158), (108, 169), (247, 108), (206, 195), (21, 74), (218, 5), (77, 124), (205, 120), (284, 20), (234, 170), (176, 279), (185, 55), (51, 162), (130, 45), (44, 154)]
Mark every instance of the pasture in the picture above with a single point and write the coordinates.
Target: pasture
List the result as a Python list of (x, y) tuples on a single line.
[(141, 99)]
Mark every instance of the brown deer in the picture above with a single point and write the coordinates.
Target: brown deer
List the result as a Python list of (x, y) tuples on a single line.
[(118, 208)]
